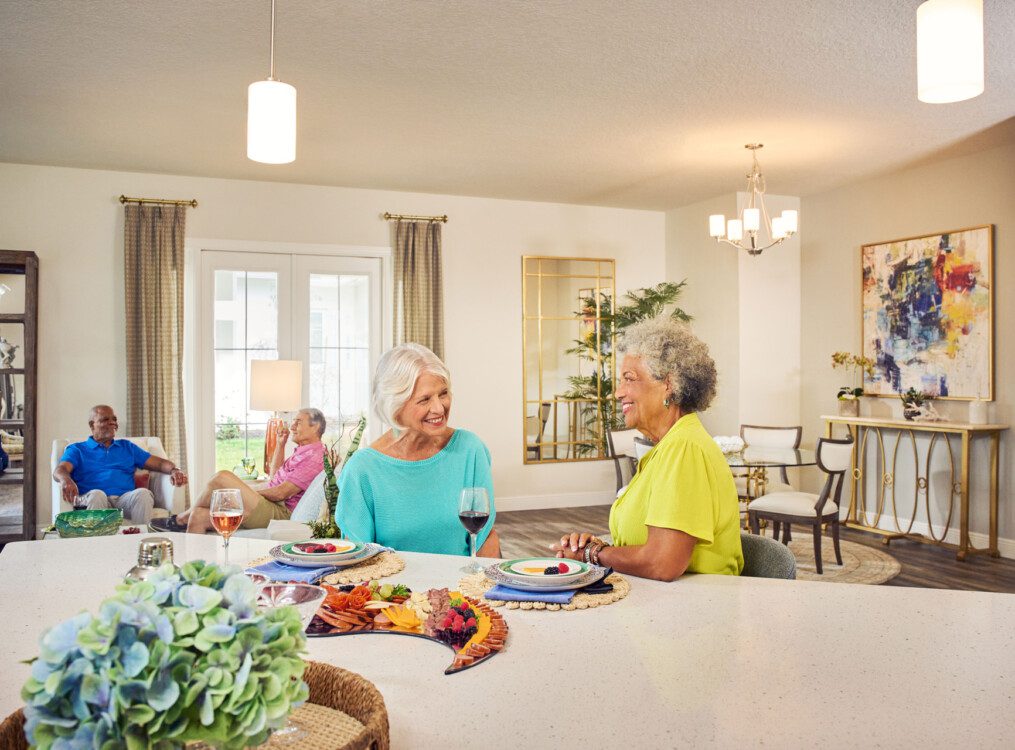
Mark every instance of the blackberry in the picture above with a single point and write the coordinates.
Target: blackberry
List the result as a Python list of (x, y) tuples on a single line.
[(551, 571)]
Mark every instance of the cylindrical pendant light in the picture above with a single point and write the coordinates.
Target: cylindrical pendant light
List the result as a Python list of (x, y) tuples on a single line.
[(271, 115), (949, 50), (271, 122)]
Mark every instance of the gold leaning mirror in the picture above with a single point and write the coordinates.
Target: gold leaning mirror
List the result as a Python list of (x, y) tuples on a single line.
[(568, 365)]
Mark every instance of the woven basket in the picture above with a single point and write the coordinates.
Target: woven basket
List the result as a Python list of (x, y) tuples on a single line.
[(329, 686)]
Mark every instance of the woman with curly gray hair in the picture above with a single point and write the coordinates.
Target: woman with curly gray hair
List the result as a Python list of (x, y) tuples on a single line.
[(680, 511)]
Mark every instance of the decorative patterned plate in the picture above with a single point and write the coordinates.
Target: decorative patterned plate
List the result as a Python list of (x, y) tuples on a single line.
[(534, 568), (368, 551), (593, 574), (344, 613), (344, 548)]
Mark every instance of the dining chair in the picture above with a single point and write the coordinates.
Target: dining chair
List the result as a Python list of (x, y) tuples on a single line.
[(834, 458), (626, 449), (766, 558), (763, 436), (535, 425)]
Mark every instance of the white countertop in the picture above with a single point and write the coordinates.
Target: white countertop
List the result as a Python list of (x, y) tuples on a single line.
[(708, 660)]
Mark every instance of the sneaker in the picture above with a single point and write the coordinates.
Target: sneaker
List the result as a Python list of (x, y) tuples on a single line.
[(167, 525)]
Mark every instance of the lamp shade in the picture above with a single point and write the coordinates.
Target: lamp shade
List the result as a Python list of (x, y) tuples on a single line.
[(949, 50), (276, 384), (271, 122)]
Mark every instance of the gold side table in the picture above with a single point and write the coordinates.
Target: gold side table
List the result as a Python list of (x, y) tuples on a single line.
[(861, 429)]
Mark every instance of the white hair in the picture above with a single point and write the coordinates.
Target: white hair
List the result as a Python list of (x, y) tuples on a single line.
[(396, 377)]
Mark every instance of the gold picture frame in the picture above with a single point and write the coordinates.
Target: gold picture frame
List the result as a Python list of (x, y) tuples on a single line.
[(927, 314)]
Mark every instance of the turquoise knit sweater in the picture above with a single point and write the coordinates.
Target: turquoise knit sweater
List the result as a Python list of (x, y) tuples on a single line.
[(413, 505)]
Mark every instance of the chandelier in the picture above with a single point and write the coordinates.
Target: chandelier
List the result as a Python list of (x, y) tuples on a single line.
[(271, 115), (754, 217)]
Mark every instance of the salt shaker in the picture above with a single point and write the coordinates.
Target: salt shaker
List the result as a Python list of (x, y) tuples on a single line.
[(151, 554)]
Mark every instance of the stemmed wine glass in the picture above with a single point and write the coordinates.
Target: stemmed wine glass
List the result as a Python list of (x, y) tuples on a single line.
[(226, 514), (473, 512)]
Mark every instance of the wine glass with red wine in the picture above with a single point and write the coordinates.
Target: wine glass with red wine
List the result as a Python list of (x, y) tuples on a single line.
[(226, 514), (473, 512)]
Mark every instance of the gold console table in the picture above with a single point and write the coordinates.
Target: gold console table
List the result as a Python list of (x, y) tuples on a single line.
[(861, 429)]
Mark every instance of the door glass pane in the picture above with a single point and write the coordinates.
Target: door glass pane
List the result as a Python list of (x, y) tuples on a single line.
[(262, 310), (355, 301), (245, 327), (338, 357)]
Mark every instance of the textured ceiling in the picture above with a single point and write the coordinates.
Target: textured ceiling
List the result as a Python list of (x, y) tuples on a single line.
[(643, 103)]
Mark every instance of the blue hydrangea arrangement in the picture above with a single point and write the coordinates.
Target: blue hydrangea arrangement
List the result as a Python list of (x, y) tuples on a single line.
[(185, 655)]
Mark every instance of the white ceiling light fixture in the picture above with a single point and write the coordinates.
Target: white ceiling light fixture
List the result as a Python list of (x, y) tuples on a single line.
[(271, 115), (754, 217), (949, 50)]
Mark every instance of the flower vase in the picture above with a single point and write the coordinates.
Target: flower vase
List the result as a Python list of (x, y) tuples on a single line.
[(849, 407)]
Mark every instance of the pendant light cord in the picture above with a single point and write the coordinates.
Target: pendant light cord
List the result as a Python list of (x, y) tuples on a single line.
[(271, 67)]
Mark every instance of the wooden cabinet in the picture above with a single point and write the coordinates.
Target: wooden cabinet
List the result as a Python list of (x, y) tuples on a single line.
[(19, 319)]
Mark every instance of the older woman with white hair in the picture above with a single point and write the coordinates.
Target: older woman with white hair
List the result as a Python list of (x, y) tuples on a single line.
[(403, 491), (680, 511)]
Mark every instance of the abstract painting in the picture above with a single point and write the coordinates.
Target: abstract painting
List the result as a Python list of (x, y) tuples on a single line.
[(928, 314)]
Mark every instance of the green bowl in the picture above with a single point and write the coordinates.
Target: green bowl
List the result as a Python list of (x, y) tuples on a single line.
[(74, 523)]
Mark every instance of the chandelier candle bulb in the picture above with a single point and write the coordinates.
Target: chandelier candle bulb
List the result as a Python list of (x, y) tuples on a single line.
[(735, 230), (752, 219), (778, 227), (716, 225)]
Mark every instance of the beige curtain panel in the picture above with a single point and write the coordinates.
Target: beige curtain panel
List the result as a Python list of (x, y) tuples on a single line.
[(419, 285), (153, 259)]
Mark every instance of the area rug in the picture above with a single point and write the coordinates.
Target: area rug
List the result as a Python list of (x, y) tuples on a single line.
[(860, 563)]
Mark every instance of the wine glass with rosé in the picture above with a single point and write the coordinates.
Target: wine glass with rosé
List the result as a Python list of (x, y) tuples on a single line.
[(226, 514)]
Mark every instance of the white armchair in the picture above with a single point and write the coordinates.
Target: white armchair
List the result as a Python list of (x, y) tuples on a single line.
[(166, 495)]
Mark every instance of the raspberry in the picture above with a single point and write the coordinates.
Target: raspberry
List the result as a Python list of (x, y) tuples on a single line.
[(329, 547), (456, 626), (562, 568), (471, 622)]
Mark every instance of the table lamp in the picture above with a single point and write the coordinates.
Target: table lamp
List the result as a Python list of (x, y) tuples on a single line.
[(276, 385)]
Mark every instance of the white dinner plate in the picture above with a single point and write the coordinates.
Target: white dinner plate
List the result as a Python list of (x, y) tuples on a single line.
[(368, 551), (495, 574), (530, 570)]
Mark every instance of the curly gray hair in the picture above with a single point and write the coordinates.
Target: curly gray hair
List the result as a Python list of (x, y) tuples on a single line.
[(668, 348)]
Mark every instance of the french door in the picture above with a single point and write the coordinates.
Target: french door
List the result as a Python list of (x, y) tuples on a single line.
[(324, 310)]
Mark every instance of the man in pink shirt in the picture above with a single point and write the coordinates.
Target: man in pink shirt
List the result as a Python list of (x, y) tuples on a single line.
[(288, 481)]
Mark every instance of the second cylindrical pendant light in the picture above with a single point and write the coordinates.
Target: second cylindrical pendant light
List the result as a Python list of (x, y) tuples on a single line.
[(271, 115)]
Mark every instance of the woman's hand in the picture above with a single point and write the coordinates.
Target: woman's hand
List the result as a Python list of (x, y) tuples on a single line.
[(572, 546)]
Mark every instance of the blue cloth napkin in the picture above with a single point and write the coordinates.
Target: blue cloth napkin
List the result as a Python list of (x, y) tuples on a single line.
[(277, 571), (507, 594)]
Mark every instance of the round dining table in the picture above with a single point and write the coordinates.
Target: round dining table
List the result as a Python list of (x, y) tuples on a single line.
[(757, 460)]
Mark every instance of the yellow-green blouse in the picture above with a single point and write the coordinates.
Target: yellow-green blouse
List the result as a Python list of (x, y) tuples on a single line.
[(684, 483)]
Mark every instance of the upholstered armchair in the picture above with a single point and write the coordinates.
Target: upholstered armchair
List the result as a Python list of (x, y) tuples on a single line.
[(166, 495)]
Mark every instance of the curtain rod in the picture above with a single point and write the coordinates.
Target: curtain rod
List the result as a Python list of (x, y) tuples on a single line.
[(192, 202), (412, 217)]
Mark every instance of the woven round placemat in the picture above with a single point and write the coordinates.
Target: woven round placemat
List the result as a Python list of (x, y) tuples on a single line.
[(380, 566), (478, 584)]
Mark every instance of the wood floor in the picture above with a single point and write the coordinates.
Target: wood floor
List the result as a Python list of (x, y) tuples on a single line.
[(530, 532)]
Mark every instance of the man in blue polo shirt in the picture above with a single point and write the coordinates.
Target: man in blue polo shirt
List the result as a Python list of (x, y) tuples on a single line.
[(99, 472)]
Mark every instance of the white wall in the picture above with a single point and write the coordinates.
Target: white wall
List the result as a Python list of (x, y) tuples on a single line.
[(72, 219), (712, 296), (954, 193), (746, 308), (770, 326)]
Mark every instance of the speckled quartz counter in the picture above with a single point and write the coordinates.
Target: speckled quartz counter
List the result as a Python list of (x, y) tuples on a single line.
[(708, 661)]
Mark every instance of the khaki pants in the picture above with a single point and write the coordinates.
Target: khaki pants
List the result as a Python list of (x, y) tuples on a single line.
[(136, 505)]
